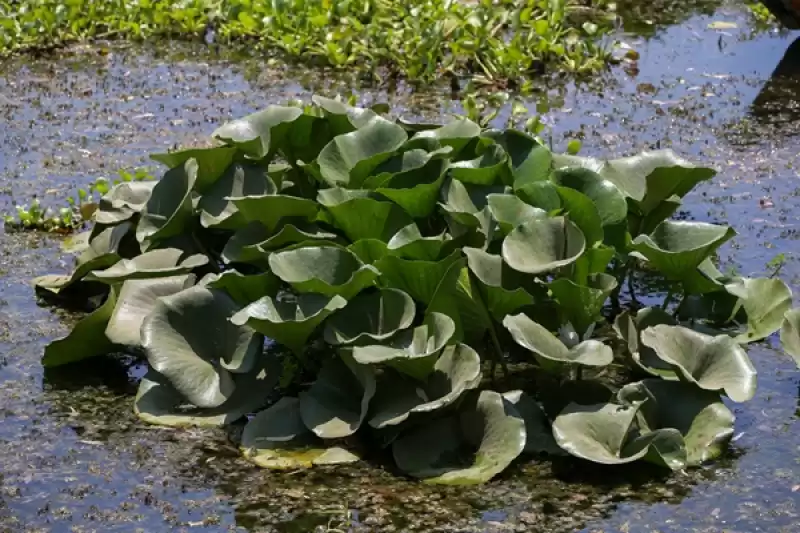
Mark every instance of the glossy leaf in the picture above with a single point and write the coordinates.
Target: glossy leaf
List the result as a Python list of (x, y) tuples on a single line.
[(289, 323), (217, 210), (348, 159), (582, 304), (169, 207), (153, 264), (677, 248), (137, 299), (766, 301), (536, 338), (712, 363), (543, 245), (370, 317), (323, 269)]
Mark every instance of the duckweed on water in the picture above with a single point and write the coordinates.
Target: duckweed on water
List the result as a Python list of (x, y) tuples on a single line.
[(393, 266), (495, 40)]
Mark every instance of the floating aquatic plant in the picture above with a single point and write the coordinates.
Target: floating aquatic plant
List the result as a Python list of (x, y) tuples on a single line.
[(376, 276)]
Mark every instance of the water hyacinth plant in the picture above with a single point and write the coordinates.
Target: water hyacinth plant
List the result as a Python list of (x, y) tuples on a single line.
[(357, 282)]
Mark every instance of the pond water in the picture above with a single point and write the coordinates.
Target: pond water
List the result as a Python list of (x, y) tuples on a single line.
[(74, 458)]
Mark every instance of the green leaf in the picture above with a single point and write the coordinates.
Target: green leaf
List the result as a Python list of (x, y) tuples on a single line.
[(416, 190), (500, 285), (536, 338), (211, 163), (102, 252), (766, 301), (648, 178), (629, 328), (289, 323), (337, 402), (245, 289), (271, 209), (413, 351), (217, 210), (326, 270), (541, 194), (606, 197), (543, 245), (676, 248), (582, 304), (123, 201), (419, 279), (361, 217), (262, 132), (510, 212), (484, 169), (349, 158), (253, 242), (342, 117), (699, 415), (153, 264), (583, 213), (456, 134), (711, 363), (790, 334), (604, 433), (199, 361), (157, 401), (409, 243), (530, 161), (493, 436), (371, 316), (137, 299), (87, 338), (276, 438), (369, 251), (169, 208)]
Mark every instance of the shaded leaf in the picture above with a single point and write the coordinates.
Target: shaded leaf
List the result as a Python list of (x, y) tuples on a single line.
[(217, 210), (338, 400), (582, 304), (198, 361), (86, 339), (790, 334), (169, 208), (157, 402), (699, 415), (439, 454), (276, 438)]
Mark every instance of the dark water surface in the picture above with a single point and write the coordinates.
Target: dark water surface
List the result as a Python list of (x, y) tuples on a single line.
[(74, 458)]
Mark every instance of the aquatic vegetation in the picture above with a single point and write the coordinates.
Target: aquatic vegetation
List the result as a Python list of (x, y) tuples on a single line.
[(417, 39), (366, 279), (77, 211)]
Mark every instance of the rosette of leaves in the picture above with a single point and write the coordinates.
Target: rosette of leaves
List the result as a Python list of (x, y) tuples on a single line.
[(362, 276)]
